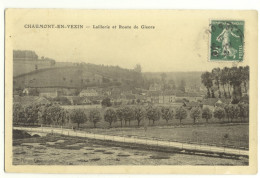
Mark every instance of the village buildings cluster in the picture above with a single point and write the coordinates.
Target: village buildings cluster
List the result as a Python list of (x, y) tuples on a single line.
[(117, 96)]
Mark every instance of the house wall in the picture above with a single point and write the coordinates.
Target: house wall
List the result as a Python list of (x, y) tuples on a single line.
[(49, 95), (88, 94), (167, 99), (188, 98), (208, 106)]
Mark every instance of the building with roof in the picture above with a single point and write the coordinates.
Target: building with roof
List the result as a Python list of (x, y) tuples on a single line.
[(189, 96), (167, 97), (155, 87), (153, 96), (88, 92), (48, 92), (214, 102), (84, 101), (193, 104)]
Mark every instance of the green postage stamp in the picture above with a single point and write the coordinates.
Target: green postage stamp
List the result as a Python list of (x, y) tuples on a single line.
[(227, 40)]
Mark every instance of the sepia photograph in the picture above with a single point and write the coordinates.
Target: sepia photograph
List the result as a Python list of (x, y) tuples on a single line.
[(131, 88)]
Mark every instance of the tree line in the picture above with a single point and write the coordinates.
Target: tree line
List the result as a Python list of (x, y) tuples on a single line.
[(227, 82), (55, 115)]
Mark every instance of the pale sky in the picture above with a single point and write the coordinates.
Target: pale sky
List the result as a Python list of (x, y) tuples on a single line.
[(179, 42)]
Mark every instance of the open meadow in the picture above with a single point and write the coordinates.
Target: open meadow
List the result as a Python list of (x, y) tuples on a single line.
[(230, 135)]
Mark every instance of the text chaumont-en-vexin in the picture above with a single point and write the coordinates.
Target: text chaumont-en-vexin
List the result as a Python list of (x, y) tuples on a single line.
[(72, 26)]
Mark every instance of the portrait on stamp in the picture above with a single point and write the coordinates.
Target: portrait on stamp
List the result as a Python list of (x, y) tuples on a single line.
[(227, 40)]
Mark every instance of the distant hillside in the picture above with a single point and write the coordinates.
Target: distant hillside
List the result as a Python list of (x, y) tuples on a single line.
[(31, 71), (79, 76)]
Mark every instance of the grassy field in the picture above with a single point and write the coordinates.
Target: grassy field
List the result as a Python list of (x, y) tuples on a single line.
[(234, 135), (63, 150)]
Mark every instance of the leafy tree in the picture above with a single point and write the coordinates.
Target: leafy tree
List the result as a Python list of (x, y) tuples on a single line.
[(18, 113), (78, 116), (31, 114), (44, 116), (181, 113), (236, 76), (167, 113), (125, 113), (206, 114), (56, 115), (106, 102), (206, 79), (63, 116), (233, 77), (219, 113), (216, 76), (120, 114), (245, 77), (128, 113), (244, 110), (94, 116), (233, 111), (153, 113), (139, 114), (195, 114), (110, 116), (228, 111), (224, 81)]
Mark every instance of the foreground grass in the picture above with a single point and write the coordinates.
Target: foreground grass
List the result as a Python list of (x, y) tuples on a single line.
[(232, 135), (64, 150)]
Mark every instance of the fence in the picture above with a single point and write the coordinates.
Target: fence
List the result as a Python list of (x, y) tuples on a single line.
[(138, 140)]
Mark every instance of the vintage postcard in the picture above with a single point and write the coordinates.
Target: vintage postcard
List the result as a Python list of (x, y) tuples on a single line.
[(131, 91)]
